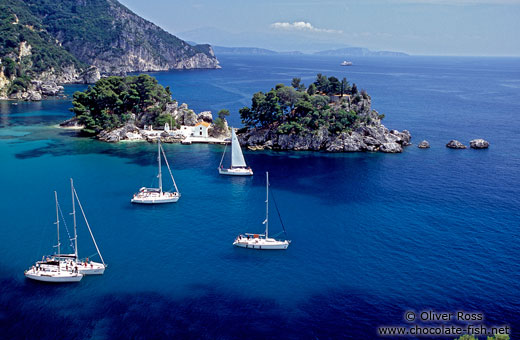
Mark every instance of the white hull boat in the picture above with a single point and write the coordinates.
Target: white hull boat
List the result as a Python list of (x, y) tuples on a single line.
[(57, 277), (262, 241), (91, 268), (236, 171), (256, 242), (154, 196), (157, 195), (51, 270), (238, 163)]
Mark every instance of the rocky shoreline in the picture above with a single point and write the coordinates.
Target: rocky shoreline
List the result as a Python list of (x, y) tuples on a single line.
[(362, 139), (137, 129), (50, 83)]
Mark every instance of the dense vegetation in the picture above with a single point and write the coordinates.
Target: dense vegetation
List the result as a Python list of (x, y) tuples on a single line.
[(18, 24), (75, 21), (296, 108), (112, 100), (90, 28)]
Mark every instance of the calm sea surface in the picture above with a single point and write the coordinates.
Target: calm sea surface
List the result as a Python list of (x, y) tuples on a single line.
[(373, 235)]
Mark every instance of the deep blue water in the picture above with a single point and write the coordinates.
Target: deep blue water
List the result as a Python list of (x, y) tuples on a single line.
[(373, 235)]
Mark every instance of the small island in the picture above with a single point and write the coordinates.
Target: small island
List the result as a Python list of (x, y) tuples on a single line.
[(329, 115), (139, 108)]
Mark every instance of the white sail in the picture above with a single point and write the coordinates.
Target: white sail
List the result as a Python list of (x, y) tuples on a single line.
[(237, 158)]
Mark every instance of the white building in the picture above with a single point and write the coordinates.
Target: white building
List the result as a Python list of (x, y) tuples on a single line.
[(201, 130)]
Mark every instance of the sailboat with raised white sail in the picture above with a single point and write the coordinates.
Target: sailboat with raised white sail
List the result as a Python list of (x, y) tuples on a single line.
[(262, 241), (51, 268), (157, 195), (238, 163)]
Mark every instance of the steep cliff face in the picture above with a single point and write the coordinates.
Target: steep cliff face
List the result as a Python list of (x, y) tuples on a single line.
[(109, 36), (52, 42)]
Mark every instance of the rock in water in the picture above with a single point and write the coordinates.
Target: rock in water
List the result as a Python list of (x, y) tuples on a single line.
[(424, 145), (479, 144), (455, 144)]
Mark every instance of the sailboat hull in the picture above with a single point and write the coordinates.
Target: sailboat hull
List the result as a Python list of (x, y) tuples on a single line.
[(55, 277), (236, 172), (261, 243), (91, 268), (149, 197)]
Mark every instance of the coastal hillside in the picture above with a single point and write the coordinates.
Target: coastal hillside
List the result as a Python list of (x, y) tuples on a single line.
[(329, 115), (45, 43), (32, 60), (108, 35)]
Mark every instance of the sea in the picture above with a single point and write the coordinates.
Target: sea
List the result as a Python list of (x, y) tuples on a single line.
[(373, 236)]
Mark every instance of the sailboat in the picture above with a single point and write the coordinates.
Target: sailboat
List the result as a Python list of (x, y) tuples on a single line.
[(262, 241), (51, 269), (85, 266), (157, 195), (238, 163)]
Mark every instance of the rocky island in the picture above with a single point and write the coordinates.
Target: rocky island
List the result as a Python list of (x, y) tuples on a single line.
[(329, 115), (139, 108), (47, 43)]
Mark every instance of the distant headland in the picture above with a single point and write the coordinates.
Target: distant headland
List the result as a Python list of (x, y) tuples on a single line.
[(44, 44)]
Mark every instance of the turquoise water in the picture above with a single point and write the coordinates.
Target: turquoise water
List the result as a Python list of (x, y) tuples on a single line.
[(373, 235)]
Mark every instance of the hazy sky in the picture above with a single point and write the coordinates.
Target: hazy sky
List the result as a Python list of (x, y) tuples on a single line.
[(432, 27)]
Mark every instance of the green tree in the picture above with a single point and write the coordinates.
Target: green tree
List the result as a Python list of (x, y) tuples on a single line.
[(222, 114), (111, 101), (296, 83), (334, 86), (322, 83), (344, 86), (354, 89), (312, 89)]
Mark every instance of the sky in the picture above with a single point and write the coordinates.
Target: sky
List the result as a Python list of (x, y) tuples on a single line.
[(419, 27)]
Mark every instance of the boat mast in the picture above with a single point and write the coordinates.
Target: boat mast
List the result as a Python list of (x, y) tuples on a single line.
[(74, 218), (169, 170), (266, 205), (88, 226), (159, 160), (57, 224)]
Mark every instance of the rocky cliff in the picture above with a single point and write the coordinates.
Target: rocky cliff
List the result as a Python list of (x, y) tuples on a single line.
[(108, 35), (370, 135), (46, 43)]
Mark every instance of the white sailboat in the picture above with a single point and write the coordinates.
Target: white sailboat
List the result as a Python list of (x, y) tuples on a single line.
[(157, 195), (262, 241), (50, 269), (238, 163), (85, 266)]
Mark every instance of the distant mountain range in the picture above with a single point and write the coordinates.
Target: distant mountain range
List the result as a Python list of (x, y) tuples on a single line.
[(340, 52), (360, 52), (271, 42), (250, 51)]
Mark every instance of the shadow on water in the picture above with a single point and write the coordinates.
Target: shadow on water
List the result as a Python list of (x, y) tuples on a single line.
[(299, 172), (28, 311)]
